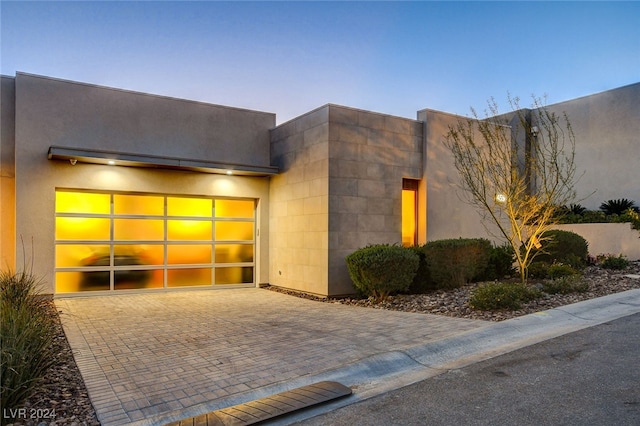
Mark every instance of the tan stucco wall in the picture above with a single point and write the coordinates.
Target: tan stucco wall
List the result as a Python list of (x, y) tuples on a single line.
[(369, 155), (607, 129), (608, 238), (449, 215), (299, 216), (339, 189), (52, 112), (7, 173)]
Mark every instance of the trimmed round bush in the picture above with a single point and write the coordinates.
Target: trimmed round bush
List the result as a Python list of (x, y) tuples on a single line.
[(500, 263), (452, 263), (383, 269), (421, 282), (563, 247)]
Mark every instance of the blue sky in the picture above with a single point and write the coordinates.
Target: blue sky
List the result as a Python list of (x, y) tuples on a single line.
[(291, 57)]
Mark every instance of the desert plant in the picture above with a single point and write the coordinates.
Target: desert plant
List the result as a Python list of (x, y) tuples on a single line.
[(27, 331), (615, 262), (565, 285), (381, 270), (618, 206), (500, 264), (453, 262), (516, 186), (499, 295), (563, 247), (560, 270), (576, 209)]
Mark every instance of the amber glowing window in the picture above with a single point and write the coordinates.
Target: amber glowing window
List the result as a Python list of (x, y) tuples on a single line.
[(234, 253), (138, 229), (82, 228), (145, 205), (82, 202), (139, 254), (193, 207), (107, 242), (230, 231), (188, 277), (188, 254), (74, 255), (409, 212), (234, 275), (235, 208), (189, 230)]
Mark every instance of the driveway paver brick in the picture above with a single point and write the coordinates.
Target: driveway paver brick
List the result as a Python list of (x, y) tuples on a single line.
[(142, 355)]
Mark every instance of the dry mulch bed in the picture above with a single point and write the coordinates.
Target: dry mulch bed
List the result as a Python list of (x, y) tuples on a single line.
[(64, 393), (454, 302)]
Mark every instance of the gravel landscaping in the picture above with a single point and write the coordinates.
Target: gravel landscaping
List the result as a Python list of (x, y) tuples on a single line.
[(454, 303), (64, 397)]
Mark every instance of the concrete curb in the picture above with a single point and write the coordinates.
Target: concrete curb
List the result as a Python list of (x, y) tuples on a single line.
[(387, 371)]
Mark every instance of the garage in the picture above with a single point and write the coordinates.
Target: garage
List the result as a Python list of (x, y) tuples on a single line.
[(112, 241)]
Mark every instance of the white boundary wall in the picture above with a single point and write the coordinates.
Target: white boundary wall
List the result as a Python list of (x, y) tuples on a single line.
[(608, 238)]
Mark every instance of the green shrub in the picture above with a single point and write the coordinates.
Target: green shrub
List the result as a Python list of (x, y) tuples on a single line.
[(631, 215), (422, 280), (563, 247), (454, 262), (500, 263), (565, 285), (559, 270), (27, 331), (538, 270), (615, 262), (592, 216), (381, 270), (498, 295)]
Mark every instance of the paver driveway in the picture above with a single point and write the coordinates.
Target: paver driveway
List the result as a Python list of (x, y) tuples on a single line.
[(143, 355)]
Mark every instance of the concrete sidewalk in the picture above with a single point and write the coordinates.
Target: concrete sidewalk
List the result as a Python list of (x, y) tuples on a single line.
[(154, 358)]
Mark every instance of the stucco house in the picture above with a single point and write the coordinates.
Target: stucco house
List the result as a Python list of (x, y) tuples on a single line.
[(107, 191)]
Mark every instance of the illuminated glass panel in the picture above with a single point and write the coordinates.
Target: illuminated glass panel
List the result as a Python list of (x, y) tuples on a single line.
[(188, 277), (234, 231), (409, 217), (139, 254), (186, 254), (138, 229), (141, 242), (234, 275), (82, 202), (138, 279), (75, 255), (146, 205), (235, 208), (71, 282), (82, 228), (194, 207), (189, 230), (234, 253)]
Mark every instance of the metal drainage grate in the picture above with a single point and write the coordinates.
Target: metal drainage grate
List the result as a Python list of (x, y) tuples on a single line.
[(269, 407)]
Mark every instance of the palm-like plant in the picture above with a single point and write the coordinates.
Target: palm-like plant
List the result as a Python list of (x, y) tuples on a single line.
[(618, 206)]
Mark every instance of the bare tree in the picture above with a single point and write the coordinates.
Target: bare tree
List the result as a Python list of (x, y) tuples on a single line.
[(517, 169)]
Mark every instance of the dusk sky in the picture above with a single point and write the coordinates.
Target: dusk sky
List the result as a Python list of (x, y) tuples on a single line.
[(292, 57)]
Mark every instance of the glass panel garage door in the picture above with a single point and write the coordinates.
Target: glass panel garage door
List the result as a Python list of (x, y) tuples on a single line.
[(148, 241)]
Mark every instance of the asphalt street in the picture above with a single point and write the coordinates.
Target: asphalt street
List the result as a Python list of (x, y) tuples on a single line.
[(588, 377)]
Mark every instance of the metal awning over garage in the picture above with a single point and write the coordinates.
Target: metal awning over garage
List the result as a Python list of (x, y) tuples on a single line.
[(151, 161)]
